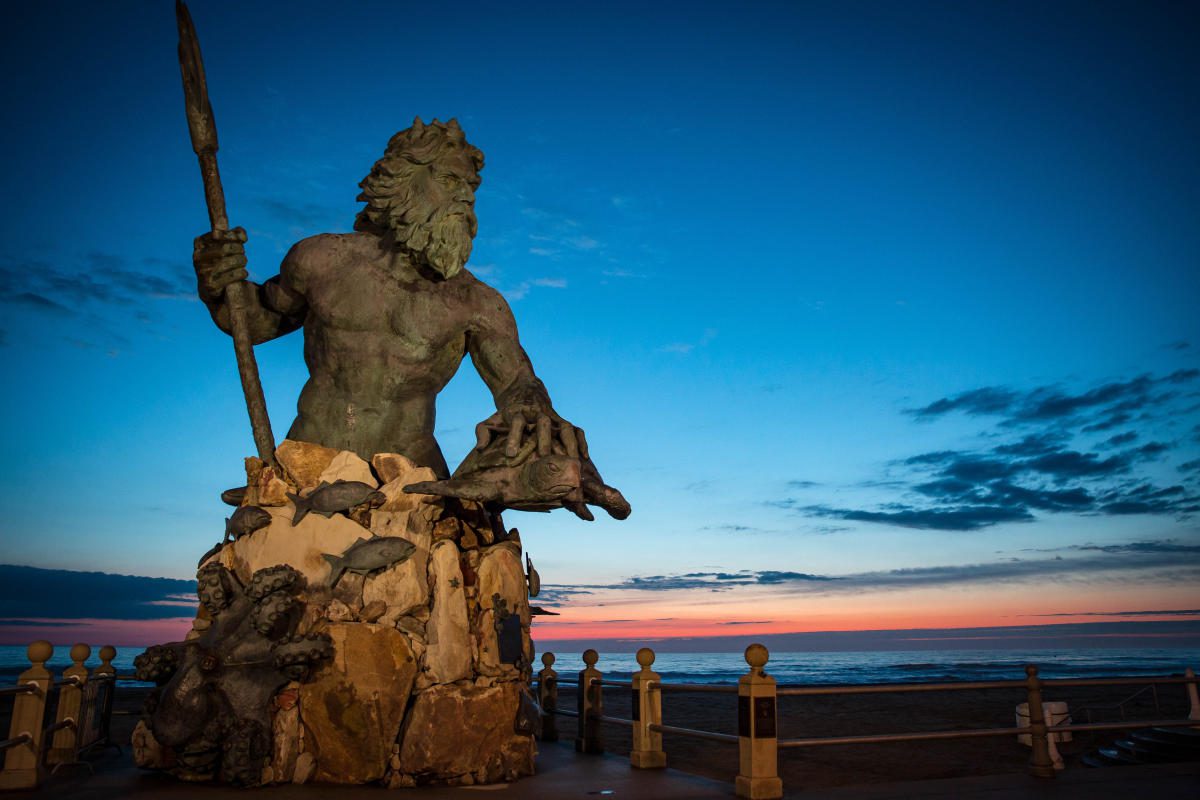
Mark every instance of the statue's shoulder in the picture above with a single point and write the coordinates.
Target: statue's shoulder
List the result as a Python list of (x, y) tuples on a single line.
[(327, 251), (475, 286)]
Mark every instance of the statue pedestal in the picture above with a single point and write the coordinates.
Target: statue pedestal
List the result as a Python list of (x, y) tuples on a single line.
[(427, 678)]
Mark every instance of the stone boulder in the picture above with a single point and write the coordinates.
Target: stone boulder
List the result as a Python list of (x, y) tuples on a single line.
[(347, 466), (448, 657), (353, 710), (304, 462), (456, 730), (502, 578)]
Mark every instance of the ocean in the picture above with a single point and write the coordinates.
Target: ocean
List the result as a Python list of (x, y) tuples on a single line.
[(898, 666)]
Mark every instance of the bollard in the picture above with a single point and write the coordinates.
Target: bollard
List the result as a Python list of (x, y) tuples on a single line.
[(21, 768), (62, 748), (591, 705), (104, 694), (1193, 695), (1040, 762), (758, 736), (548, 697), (647, 752)]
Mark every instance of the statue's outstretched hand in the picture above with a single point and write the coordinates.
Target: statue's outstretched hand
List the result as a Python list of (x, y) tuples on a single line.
[(523, 424), (219, 258)]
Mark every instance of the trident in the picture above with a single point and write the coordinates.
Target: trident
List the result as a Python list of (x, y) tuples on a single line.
[(203, 129)]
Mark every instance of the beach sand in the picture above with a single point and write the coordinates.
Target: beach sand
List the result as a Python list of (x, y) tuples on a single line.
[(842, 716)]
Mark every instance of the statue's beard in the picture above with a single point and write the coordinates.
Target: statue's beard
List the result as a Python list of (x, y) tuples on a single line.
[(441, 238)]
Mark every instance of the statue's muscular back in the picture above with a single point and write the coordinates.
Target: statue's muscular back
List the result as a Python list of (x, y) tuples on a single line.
[(380, 341)]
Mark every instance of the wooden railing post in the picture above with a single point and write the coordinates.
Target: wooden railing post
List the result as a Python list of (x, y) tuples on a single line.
[(1040, 762), (548, 697), (591, 705), (758, 736), (21, 768), (62, 747), (647, 752), (1193, 695)]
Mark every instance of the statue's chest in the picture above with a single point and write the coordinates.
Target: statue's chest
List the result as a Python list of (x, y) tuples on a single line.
[(362, 301)]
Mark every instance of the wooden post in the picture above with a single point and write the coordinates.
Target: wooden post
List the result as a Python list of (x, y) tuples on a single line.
[(62, 748), (548, 697), (1193, 695), (758, 736), (647, 752), (21, 768), (591, 705), (1040, 762)]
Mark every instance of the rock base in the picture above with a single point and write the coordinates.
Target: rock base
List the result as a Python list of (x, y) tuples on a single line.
[(429, 676)]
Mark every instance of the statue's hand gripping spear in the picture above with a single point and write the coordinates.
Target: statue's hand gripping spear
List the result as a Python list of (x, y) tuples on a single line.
[(238, 295)]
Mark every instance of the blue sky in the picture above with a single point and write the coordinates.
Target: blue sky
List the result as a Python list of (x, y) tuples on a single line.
[(837, 289)]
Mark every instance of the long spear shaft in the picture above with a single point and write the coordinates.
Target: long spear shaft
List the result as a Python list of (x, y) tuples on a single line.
[(203, 129)]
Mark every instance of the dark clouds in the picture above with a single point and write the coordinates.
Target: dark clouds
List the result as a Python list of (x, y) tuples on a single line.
[(1050, 404), (65, 594), (86, 291), (1045, 456), (1161, 561)]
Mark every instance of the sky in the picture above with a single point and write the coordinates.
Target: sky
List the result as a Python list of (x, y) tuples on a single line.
[(881, 315)]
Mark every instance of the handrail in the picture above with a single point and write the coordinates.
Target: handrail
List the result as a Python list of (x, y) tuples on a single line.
[(1123, 725), (16, 741), (73, 680), (1135, 681), (15, 690), (795, 690), (695, 734), (969, 733), (693, 687), (614, 720)]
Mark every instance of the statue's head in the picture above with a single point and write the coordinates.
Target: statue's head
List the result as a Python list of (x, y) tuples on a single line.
[(421, 195)]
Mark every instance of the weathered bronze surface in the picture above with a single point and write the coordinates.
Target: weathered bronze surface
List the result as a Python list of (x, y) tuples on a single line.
[(388, 314), (212, 704)]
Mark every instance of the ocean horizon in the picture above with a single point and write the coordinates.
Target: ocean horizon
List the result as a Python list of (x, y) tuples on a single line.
[(847, 667)]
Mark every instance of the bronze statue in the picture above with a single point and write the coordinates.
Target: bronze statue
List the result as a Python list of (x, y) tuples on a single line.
[(388, 313), (282, 638)]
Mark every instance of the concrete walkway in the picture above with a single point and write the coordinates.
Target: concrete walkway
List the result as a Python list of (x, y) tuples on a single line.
[(563, 774)]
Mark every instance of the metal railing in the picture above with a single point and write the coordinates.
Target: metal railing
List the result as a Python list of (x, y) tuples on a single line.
[(757, 692), (81, 703)]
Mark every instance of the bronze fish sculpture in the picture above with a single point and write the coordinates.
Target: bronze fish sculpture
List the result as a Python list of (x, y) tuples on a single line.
[(330, 498), (245, 521), (539, 484), (368, 555)]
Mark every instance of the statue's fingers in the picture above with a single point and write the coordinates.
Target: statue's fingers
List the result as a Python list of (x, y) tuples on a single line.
[(566, 433), (545, 440), (583, 448), (516, 429), (483, 435)]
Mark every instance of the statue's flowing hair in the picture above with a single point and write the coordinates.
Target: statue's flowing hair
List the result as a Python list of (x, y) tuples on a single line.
[(388, 189)]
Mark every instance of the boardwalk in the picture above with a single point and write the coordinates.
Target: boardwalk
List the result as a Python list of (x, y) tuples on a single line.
[(563, 774)]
